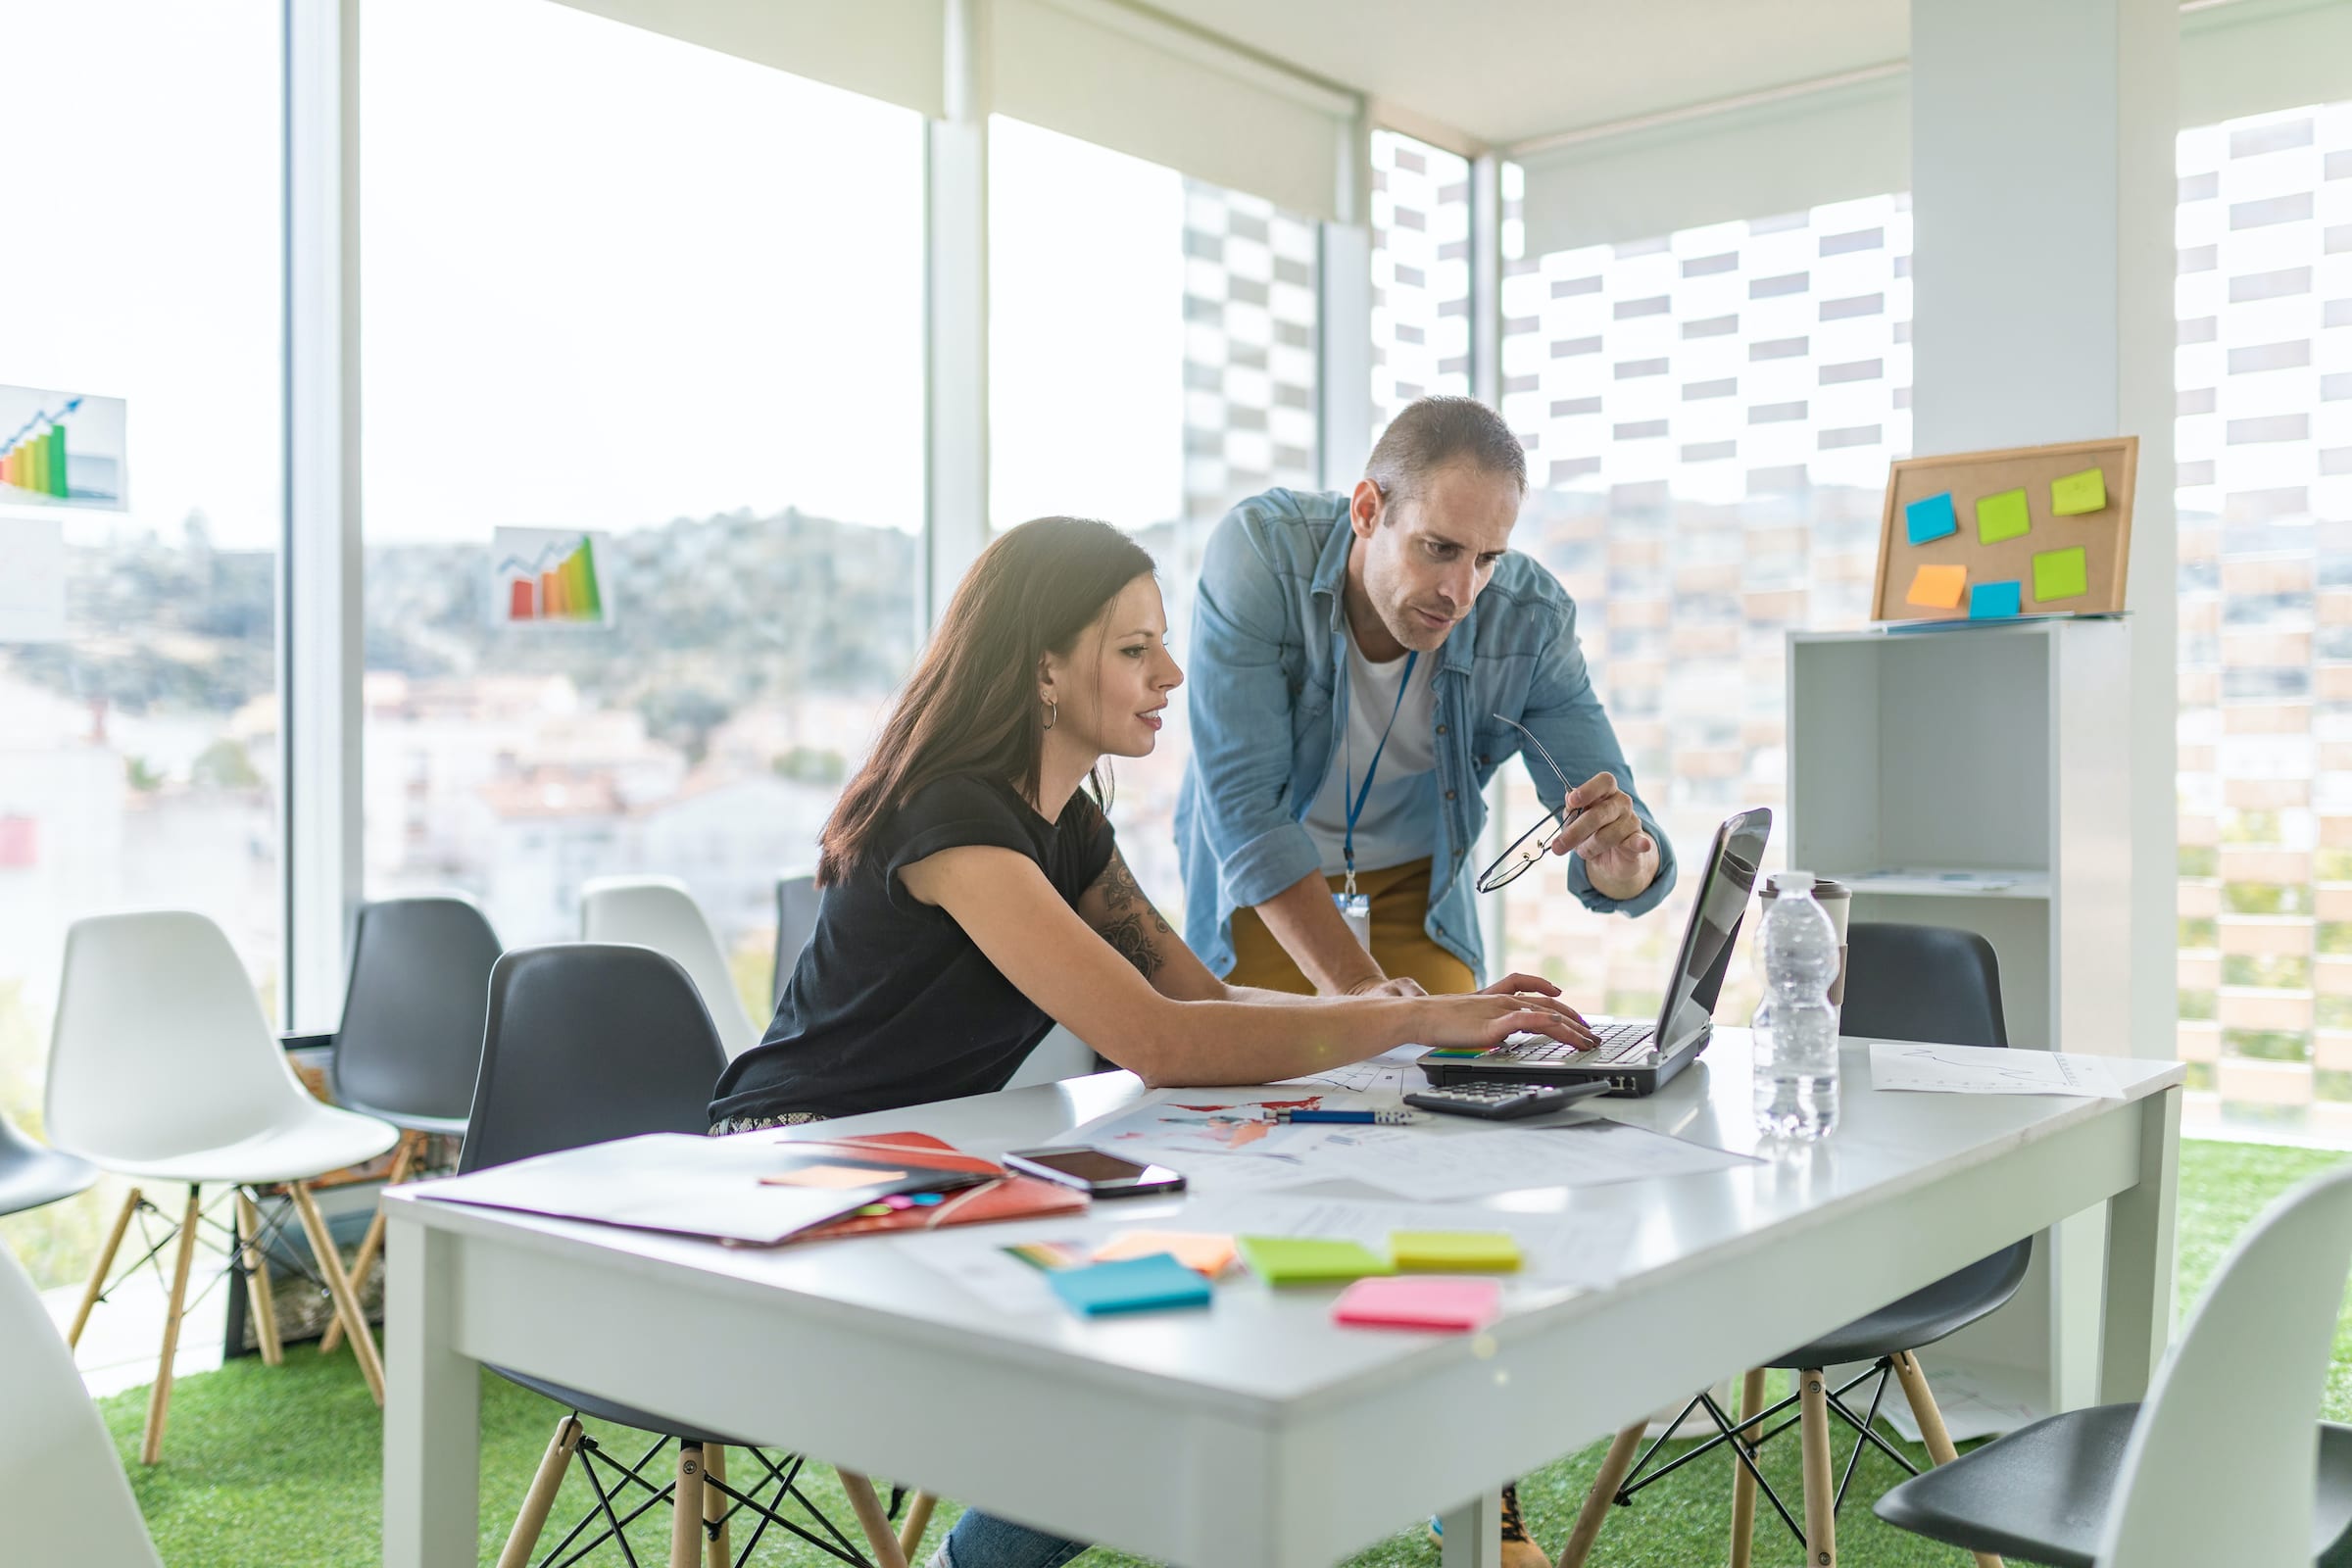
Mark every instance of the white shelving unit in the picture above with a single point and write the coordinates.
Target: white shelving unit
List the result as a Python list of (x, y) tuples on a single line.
[(1991, 749)]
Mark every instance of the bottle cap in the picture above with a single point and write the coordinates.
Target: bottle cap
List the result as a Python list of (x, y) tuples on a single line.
[(1791, 881)]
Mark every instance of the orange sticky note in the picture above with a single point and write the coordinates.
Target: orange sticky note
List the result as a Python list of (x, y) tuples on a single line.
[(1205, 1255), (1937, 587)]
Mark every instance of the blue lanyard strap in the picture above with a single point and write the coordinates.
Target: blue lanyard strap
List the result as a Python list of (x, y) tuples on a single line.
[(1355, 802)]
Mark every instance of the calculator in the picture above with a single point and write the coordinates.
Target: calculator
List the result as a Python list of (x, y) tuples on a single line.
[(1495, 1101)]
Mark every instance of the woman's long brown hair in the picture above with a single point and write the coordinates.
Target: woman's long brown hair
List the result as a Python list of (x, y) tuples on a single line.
[(971, 704)]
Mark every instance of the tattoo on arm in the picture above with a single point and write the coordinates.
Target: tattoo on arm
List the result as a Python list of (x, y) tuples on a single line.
[(1130, 921)]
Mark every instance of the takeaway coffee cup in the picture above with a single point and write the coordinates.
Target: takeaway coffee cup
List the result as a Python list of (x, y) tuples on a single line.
[(1836, 901)]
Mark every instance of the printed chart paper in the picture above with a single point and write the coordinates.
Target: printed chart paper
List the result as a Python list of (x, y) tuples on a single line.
[(1988, 1070), (62, 449), (33, 581)]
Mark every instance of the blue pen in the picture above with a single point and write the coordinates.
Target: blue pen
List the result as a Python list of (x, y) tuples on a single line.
[(1384, 1119)]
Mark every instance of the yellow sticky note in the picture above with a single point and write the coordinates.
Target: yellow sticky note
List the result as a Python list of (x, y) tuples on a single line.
[(2002, 517), (2077, 493), (2061, 574), (1201, 1252), (1455, 1252), (1937, 587)]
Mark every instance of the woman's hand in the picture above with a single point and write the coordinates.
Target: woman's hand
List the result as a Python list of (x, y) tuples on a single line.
[(1491, 1016)]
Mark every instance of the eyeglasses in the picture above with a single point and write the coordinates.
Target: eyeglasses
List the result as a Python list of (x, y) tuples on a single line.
[(1529, 848)]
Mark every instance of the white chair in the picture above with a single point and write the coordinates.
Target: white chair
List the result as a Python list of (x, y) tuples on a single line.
[(63, 1496), (657, 913), (163, 1069), (2226, 1462)]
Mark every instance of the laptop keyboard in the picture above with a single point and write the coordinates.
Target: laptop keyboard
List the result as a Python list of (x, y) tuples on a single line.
[(1616, 1042)]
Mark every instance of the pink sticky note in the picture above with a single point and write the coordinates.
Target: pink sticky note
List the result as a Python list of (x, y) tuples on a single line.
[(1404, 1302)]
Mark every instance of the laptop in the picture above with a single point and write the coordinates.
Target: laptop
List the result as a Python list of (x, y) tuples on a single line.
[(1637, 1058)]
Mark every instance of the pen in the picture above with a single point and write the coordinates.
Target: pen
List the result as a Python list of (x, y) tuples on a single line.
[(1384, 1119)]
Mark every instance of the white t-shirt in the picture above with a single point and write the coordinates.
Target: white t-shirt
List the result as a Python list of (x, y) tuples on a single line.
[(1399, 820)]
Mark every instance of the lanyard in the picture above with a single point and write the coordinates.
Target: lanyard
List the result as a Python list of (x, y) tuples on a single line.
[(1356, 801)]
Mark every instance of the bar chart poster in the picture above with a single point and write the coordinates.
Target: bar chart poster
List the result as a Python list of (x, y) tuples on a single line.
[(62, 449), (548, 577)]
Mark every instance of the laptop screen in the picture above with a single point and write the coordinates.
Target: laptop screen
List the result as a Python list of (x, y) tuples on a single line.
[(1729, 879)]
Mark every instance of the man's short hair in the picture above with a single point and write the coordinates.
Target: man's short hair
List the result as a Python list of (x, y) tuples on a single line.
[(1434, 434)]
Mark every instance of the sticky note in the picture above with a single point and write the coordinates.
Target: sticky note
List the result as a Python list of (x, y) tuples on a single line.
[(1931, 518), (2060, 574), (1205, 1255), (1134, 1285), (1459, 1307), (1048, 1255), (2077, 493), (1454, 1251), (1937, 587), (1993, 601), (1295, 1261), (2002, 517)]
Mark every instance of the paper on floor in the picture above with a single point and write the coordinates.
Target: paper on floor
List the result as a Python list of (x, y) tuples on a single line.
[(1988, 1070)]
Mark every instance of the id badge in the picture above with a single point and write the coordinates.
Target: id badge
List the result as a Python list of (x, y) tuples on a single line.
[(1357, 909)]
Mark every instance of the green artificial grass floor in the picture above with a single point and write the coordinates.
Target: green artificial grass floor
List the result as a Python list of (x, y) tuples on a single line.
[(266, 1466)]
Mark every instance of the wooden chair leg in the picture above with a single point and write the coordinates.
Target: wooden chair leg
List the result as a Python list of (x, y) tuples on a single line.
[(374, 1242), (715, 1505), (1603, 1494), (531, 1519), (872, 1518), (686, 1509), (1743, 1483), (106, 1262), (338, 1288), (261, 1304), (158, 1398), (1932, 1430), (1821, 1492), (919, 1520)]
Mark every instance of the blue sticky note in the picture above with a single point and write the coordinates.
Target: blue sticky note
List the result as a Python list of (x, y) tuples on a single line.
[(1931, 518), (1993, 601), (1134, 1285)]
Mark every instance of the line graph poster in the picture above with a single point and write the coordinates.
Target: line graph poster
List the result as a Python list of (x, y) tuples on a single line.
[(63, 449), (548, 578)]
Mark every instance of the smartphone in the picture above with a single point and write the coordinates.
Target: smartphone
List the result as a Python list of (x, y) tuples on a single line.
[(1101, 1175)]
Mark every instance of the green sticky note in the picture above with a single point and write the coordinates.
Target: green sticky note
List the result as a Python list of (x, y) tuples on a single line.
[(1455, 1252), (1305, 1260), (2060, 574), (2077, 493), (2002, 517)]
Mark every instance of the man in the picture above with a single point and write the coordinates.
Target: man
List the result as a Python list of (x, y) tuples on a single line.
[(1354, 659)]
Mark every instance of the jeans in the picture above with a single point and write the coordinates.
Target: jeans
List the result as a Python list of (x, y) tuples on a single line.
[(980, 1541)]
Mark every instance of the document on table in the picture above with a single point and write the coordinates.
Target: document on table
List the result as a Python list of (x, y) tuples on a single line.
[(1383, 1078), (1988, 1070), (1441, 1167), (1227, 1140)]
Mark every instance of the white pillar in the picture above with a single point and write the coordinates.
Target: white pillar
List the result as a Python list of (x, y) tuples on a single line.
[(1343, 325), (2042, 196), (319, 580), (956, 293)]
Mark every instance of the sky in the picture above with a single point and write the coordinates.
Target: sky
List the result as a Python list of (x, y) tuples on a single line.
[(608, 278)]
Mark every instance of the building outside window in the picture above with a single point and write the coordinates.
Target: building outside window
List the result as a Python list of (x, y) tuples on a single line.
[(1420, 273), (625, 286)]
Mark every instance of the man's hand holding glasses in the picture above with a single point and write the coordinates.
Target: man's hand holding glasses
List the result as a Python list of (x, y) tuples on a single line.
[(1597, 820)]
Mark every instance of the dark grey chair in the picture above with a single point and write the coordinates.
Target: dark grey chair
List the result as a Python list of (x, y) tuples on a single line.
[(411, 1033), (797, 901), (33, 1174), (1904, 982), (586, 1043)]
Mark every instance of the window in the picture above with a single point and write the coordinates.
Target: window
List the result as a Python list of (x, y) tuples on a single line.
[(621, 286), (1420, 273), (2263, 438), (1708, 418), (1152, 361), (138, 757)]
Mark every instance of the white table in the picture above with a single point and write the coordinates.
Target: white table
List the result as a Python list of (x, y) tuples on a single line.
[(1257, 1434)]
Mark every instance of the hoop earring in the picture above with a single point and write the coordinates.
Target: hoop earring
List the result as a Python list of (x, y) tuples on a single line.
[(1052, 713)]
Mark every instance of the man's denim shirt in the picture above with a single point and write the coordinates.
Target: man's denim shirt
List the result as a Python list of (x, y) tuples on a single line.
[(1269, 632)]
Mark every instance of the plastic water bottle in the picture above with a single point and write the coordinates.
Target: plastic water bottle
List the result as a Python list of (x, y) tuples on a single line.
[(1795, 1027)]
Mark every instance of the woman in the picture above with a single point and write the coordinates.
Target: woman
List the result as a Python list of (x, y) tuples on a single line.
[(974, 896)]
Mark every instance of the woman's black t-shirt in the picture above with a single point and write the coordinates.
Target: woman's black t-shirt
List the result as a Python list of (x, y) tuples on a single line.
[(890, 1004)]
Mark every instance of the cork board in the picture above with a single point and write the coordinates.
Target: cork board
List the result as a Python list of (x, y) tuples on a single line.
[(1979, 520)]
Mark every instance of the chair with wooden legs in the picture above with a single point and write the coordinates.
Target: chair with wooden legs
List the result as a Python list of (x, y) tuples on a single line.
[(163, 1069), (587, 1043), (1903, 982), (411, 1037)]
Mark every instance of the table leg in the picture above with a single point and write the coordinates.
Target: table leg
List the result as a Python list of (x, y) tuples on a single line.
[(2137, 1320), (1474, 1533), (432, 1410)]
